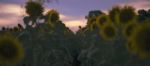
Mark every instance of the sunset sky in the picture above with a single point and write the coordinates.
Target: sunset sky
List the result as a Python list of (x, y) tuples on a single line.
[(72, 12)]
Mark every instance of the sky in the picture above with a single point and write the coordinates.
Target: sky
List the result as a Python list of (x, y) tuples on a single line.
[(72, 12)]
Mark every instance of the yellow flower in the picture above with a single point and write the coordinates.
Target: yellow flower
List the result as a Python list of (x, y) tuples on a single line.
[(108, 31), (53, 15), (129, 28), (11, 50), (140, 40), (102, 20)]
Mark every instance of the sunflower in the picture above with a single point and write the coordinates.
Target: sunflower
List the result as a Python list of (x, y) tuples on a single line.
[(128, 29), (11, 51), (102, 20), (140, 40), (108, 32), (53, 15)]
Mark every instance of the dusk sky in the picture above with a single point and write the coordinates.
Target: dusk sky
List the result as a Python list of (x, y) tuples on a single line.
[(72, 12)]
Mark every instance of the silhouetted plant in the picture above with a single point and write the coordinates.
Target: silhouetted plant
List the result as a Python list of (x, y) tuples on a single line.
[(142, 15), (34, 10), (80, 27), (142, 12), (93, 15), (127, 14), (15, 29), (3, 28), (11, 29), (20, 27), (149, 12)]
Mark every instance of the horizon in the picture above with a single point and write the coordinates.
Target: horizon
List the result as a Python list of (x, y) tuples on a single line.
[(72, 13)]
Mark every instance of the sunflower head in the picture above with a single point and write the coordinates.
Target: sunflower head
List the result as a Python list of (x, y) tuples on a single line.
[(34, 9), (108, 32), (102, 20), (129, 28), (11, 51), (53, 15), (140, 40)]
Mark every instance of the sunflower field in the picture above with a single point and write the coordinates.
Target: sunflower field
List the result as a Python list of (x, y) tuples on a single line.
[(119, 38)]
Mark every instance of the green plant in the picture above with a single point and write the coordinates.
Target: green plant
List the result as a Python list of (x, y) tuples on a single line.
[(53, 15), (139, 41), (129, 28), (102, 20), (108, 31)]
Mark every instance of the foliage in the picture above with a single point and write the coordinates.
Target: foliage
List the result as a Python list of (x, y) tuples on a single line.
[(34, 10), (113, 46), (140, 40), (127, 14), (143, 15), (93, 15)]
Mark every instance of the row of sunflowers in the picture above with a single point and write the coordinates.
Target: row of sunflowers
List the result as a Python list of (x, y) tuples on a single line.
[(119, 38)]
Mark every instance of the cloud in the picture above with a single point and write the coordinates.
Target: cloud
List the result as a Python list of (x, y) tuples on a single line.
[(138, 4), (10, 14), (74, 24)]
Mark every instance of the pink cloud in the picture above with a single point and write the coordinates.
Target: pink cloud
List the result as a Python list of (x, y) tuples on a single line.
[(74, 24), (10, 14), (139, 4)]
